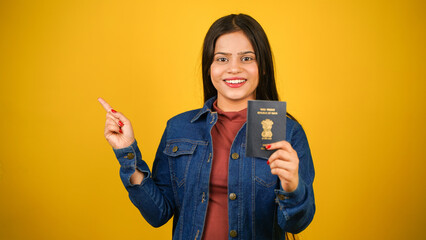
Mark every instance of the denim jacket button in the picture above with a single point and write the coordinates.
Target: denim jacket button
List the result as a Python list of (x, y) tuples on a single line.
[(233, 233), (282, 197), (235, 156), (175, 148), (232, 196), (130, 156)]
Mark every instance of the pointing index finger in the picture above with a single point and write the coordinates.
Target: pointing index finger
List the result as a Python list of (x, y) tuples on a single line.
[(106, 106)]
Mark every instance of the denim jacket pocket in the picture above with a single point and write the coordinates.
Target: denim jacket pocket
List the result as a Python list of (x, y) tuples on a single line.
[(179, 152), (263, 175)]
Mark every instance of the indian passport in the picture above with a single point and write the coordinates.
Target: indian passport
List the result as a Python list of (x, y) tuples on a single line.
[(266, 121)]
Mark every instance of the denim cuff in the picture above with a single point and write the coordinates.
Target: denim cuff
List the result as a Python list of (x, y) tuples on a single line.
[(130, 158), (291, 199)]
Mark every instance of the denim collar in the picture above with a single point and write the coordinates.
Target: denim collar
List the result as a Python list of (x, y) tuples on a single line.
[(208, 106)]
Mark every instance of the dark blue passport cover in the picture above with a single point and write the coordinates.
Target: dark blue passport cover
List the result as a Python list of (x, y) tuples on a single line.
[(266, 123)]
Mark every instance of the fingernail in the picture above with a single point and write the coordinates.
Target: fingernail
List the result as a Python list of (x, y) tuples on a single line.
[(113, 111), (121, 131), (120, 123), (267, 162), (268, 146)]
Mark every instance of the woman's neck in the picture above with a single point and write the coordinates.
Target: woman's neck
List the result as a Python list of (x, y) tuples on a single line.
[(231, 106)]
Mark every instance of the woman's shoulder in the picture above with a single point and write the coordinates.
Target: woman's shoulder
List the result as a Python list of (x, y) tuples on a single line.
[(292, 123), (184, 118), (294, 129)]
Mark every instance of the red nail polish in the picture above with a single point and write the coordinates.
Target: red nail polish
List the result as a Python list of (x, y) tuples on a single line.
[(267, 162), (120, 123), (268, 146), (121, 131), (112, 110)]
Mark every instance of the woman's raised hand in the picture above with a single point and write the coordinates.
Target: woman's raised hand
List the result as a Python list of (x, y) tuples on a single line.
[(118, 129), (284, 163)]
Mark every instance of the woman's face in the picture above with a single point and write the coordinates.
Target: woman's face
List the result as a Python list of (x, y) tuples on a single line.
[(234, 71)]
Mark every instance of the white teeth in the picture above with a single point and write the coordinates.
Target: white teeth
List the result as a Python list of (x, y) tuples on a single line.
[(235, 81)]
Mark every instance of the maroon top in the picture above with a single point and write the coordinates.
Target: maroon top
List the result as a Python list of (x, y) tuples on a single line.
[(223, 133)]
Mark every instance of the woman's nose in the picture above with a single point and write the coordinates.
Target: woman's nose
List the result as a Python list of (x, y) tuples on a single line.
[(234, 66)]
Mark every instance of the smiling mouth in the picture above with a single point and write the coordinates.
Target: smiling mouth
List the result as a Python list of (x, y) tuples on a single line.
[(235, 81)]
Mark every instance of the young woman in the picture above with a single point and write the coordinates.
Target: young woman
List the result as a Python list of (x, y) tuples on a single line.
[(201, 175)]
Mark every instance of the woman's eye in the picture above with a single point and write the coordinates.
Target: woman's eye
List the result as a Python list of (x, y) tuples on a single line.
[(247, 59), (221, 59)]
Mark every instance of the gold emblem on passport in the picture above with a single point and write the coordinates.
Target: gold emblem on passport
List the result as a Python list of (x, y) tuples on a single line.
[(267, 126), (262, 115)]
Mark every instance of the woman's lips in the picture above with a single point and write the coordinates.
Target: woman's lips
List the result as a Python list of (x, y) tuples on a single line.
[(235, 82)]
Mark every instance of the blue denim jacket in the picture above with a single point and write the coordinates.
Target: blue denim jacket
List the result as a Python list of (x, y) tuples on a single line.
[(179, 182)]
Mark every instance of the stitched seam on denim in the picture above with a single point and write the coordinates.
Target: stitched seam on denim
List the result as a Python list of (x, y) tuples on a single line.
[(179, 152), (208, 183), (158, 207), (253, 197), (239, 175), (136, 157), (185, 173), (306, 151), (240, 192), (282, 208), (275, 221), (213, 118), (201, 112), (181, 215), (263, 183), (174, 187), (287, 217), (135, 165), (182, 182), (186, 140), (172, 157), (195, 199), (291, 133)]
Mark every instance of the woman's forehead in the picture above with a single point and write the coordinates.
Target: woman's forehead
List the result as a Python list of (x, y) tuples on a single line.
[(235, 42)]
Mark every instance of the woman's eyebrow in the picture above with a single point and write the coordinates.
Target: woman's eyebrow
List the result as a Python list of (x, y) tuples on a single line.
[(240, 53), (245, 52), (223, 53)]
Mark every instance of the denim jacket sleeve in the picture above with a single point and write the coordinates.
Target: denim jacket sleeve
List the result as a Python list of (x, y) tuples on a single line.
[(154, 196), (296, 209)]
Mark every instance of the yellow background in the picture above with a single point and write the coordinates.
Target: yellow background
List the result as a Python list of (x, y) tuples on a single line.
[(353, 72)]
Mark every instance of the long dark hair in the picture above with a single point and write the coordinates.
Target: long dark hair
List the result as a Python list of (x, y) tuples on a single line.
[(266, 89)]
